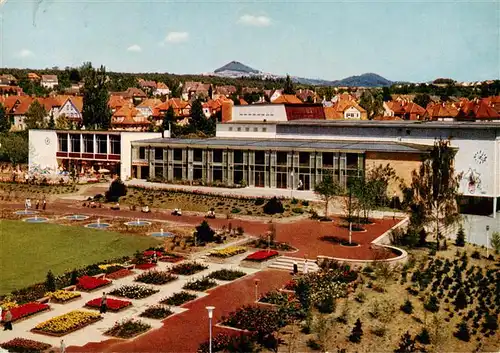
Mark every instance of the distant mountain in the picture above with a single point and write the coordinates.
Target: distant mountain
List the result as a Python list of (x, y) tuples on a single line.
[(235, 69)]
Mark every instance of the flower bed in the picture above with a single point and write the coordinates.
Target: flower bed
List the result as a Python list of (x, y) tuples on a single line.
[(157, 312), (128, 328), (200, 285), (177, 299), (22, 345), (228, 252), (156, 277), (134, 292), (149, 253), (277, 298), (188, 268), (145, 266), (254, 318), (113, 305), (25, 310), (88, 283), (62, 296), (262, 255), (226, 275), (120, 274), (67, 323), (172, 258)]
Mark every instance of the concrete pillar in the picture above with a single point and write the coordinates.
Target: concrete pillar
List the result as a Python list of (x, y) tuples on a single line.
[(230, 167), (190, 157), (272, 169), (266, 169), (170, 164), (495, 207)]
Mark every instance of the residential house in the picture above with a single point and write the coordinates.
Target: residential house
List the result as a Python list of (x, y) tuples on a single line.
[(49, 81), (194, 89), (18, 112), (147, 85), (404, 110), (306, 95), (33, 77), (116, 102), (223, 91), (146, 107), (74, 89), (161, 90), (11, 90), (72, 109), (129, 118), (215, 105), (345, 109), (493, 102), (403, 97), (272, 95), (477, 110), (286, 98), (440, 112), (8, 80), (181, 109), (132, 94)]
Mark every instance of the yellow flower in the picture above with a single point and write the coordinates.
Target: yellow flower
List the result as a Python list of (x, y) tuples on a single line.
[(72, 320), (106, 266), (62, 295), (228, 252), (8, 305)]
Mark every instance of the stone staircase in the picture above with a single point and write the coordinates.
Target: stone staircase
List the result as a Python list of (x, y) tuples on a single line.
[(286, 263)]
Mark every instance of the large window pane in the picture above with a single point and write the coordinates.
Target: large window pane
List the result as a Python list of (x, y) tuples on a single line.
[(88, 143), (63, 142), (115, 144), (102, 144), (75, 143)]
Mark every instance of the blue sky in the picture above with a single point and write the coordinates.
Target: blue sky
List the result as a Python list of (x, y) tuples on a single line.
[(414, 41)]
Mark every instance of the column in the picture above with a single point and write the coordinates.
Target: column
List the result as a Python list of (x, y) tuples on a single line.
[(272, 169), (495, 207), (190, 157), (266, 169), (319, 168), (151, 158), (230, 167), (184, 164), (170, 164)]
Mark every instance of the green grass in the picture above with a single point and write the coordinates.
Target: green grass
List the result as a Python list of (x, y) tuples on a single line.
[(29, 251)]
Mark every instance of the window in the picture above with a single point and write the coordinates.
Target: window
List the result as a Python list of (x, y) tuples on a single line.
[(88, 143), (230, 128), (260, 157), (63, 142), (264, 129), (158, 153), (177, 154), (198, 155), (281, 158), (247, 129), (255, 129), (304, 158), (217, 156), (115, 144), (238, 157), (239, 129), (75, 143), (102, 144), (142, 152)]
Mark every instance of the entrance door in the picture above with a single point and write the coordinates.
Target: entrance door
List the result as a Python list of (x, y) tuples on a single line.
[(304, 182)]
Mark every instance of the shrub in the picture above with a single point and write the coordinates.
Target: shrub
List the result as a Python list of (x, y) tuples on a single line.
[(116, 190), (128, 328), (313, 344), (294, 201), (273, 206), (462, 332), (407, 344), (297, 210), (235, 210), (226, 275), (357, 332), (424, 336), (253, 318), (188, 268), (177, 299), (50, 282), (22, 345), (259, 201), (327, 305), (204, 233), (407, 307), (157, 312), (460, 300), (490, 322), (134, 291), (495, 242), (460, 239), (432, 304), (200, 285), (74, 278), (476, 255), (156, 277), (305, 203)]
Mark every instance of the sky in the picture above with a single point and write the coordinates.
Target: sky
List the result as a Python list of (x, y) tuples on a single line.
[(414, 41)]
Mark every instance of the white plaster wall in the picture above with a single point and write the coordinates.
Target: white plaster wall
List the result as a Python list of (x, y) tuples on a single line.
[(259, 112), (42, 150), (354, 113), (231, 130), (126, 149)]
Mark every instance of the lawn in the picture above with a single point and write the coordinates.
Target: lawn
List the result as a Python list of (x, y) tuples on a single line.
[(29, 251)]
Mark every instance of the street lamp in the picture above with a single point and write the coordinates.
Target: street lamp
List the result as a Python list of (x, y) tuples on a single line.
[(210, 316), (291, 180), (257, 289), (487, 242)]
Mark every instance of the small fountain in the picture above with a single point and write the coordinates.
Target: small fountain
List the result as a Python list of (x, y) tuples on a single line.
[(98, 225), (138, 223), (161, 233), (76, 217), (25, 212), (36, 219)]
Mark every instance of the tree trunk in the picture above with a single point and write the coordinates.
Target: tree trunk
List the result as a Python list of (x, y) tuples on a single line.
[(327, 201), (437, 226)]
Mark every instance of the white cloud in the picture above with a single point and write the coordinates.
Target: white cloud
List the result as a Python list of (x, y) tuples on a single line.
[(256, 21), (25, 53), (177, 37), (135, 48)]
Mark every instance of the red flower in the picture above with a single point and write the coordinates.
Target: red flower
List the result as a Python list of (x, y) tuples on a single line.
[(262, 255), (89, 283), (145, 266), (149, 253), (26, 310), (112, 304), (119, 274)]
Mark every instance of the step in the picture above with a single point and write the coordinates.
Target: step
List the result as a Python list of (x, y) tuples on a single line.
[(286, 263)]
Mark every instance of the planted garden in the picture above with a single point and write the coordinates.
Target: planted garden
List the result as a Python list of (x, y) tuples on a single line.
[(228, 252), (113, 305), (128, 328), (188, 268), (67, 323), (262, 255), (25, 310), (90, 283), (156, 277), (200, 285), (226, 275), (177, 299), (157, 312), (134, 291), (23, 345), (62, 296)]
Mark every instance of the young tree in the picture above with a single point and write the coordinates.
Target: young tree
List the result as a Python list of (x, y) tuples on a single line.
[(288, 87), (62, 122), (386, 94), (462, 332), (407, 344), (169, 119), (357, 332), (495, 242), (197, 115), (422, 100), (5, 122), (204, 233), (35, 116), (460, 239), (15, 148), (434, 189), (52, 123), (50, 282), (372, 103), (326, 189), (96, 112)]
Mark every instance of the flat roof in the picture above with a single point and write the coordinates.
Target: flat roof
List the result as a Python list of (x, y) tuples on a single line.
[(286, 144)]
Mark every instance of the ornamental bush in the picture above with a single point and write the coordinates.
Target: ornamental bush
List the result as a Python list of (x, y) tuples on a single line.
[(357, 332), (22, 345), (156, 277), (200, 285), (424, 337), (204, 234), (462, 332), (460, 239), (273, 206), (177, 299), (128, 328), (157, 312), (407, 307), (226, 275), (116, 190)]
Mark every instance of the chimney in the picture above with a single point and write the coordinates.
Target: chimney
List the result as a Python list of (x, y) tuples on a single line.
[(227, 111)]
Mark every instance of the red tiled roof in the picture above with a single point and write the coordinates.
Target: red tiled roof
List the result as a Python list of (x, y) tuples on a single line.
[(477, 110), (116, 102), (441, 110), (128, 115), (287, 98)]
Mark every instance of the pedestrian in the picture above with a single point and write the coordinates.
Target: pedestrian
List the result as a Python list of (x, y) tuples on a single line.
[(44, 204), (1, 309), (104, 303), (295, 268), (154, 258), (63, 347), (37, 204), (28, 202), (306, 267), (7, 319)]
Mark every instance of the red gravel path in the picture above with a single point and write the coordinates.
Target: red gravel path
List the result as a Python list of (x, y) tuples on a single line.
[(186, 331)]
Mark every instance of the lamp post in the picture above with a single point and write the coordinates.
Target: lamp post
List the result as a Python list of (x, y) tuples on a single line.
[(291, 189), (487, 241), (257, 289), (210, 316)]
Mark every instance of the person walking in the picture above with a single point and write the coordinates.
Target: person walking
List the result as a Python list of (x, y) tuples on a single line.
[(306, 267), (28, 203), (44, 204), (37, 204), (63, 347), (104, 304), (7, 319)]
